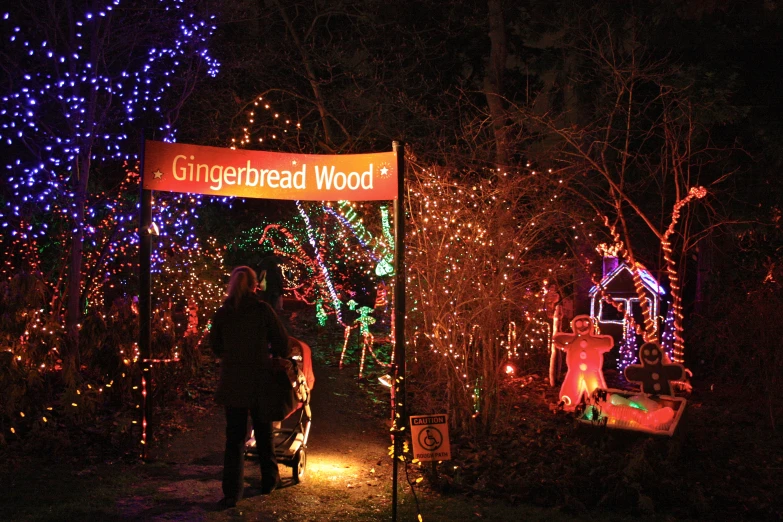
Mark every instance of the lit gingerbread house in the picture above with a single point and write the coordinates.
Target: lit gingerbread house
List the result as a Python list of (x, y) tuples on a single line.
[(617, 285)]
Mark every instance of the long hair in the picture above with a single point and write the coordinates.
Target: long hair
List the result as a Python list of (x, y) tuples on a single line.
[(243, 282)]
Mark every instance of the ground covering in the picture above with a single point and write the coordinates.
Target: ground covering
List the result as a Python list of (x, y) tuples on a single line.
[(723, 463)]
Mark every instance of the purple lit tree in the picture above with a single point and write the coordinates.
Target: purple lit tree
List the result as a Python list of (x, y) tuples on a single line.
[(81, 80), (667, 336), (629, 348)]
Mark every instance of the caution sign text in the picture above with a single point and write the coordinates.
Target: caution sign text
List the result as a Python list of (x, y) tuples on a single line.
[(430, 436)]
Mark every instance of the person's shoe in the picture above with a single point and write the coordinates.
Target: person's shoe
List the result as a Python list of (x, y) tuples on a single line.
[(227, 503)]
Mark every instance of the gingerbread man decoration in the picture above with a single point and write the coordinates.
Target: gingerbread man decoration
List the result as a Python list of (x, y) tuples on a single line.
[(585, 359), (654, 373)]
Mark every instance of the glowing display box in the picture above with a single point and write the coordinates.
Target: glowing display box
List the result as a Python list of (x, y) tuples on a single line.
[(586, 414)]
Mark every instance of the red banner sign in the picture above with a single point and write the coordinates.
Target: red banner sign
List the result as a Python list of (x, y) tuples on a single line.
[(176, 167)]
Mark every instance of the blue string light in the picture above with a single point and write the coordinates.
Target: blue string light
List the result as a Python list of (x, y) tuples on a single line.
[(74, 106)]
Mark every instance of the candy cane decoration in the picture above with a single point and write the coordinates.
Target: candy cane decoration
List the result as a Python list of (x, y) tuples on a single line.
[(650, 330), (671, 270)]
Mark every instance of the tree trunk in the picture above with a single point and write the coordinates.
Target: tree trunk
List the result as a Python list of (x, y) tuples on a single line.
[(493, 82), (71, 359), (73, 317)]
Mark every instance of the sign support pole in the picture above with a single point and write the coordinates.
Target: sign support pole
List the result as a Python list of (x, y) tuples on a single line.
[(398, 371), (145, 308)]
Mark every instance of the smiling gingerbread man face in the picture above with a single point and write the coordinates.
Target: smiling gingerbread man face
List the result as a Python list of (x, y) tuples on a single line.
[(651, 355), (654, 374), (582, 325)]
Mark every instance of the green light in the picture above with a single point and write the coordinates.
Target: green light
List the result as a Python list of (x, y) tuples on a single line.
[(365, 319), (384, 268), (616, 400), (320, 313)]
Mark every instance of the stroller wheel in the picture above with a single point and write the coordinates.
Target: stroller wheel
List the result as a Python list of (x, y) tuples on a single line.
[(300, 466)]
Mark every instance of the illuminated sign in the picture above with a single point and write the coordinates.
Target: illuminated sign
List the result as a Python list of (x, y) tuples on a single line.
[(177, 167), (430, 437)]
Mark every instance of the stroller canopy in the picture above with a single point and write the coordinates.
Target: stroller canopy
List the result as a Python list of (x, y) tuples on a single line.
[(299, 347)]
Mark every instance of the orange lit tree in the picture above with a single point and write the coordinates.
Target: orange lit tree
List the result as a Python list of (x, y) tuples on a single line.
[(477, 264)]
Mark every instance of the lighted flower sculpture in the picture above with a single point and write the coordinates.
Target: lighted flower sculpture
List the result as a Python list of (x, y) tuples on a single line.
[(585, 358)]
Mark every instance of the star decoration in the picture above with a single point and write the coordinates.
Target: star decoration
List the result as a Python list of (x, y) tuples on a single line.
[(385, 170), (158, 174), (293, 162)]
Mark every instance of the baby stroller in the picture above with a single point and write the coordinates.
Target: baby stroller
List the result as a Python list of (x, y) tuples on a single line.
[(290, 435)]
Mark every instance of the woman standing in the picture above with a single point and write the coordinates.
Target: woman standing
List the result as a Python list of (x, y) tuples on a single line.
[(245, 334)]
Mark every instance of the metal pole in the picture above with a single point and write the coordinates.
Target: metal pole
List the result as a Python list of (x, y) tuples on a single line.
[(399, 421), (145, 312)]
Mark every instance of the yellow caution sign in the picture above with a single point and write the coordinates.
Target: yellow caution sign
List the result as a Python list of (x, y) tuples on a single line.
[(430, 436)]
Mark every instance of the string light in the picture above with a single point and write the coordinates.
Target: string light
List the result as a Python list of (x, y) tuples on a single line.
[(650, 328), (629, 348), (65, 96), (461, 263), (57, 105), (671, 270), (667, 337)]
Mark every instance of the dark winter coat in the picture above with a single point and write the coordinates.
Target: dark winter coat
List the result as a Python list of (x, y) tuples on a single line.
[(245, 338), (274, 281)]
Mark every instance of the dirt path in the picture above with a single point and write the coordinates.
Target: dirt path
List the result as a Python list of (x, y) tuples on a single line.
[(348, 469), (348, 475)]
